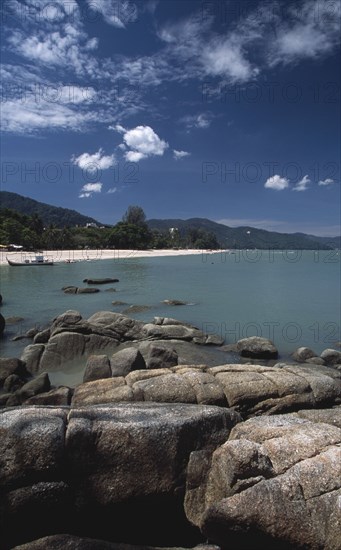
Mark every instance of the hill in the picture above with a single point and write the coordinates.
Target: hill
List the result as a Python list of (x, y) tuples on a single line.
[(227, 237), (50, 215), (248, 237)]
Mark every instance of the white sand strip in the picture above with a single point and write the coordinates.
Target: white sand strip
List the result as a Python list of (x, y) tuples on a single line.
[(67, 256)]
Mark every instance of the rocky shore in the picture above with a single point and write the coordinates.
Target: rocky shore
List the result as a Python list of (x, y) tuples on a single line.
[(156, 448)]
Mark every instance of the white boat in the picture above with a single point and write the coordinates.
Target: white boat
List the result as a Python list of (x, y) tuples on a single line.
[(32, 260)]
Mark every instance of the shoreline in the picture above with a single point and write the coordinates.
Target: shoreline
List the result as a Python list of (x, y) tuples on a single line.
[(71, 256)]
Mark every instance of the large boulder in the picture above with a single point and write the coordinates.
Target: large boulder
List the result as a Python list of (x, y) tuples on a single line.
[(11, 365), (60, 348), (331, 356), (275, 483), (161, 357), (303, 354), (31, 357), (256, 347), (255, 390), (40, 384), (57, 397), (79, 469), (116, 454), (97, 367), (126, 360)]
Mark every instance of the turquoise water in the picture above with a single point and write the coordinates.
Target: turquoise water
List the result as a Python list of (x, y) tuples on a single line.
[(291, 297)]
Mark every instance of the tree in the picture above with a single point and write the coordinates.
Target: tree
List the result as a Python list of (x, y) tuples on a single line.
[(130, 236), (135, 216)]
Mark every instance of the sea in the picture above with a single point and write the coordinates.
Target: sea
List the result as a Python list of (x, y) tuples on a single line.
[(291, 297)]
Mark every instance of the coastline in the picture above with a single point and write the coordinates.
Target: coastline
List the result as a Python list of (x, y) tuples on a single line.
[(68, 256)]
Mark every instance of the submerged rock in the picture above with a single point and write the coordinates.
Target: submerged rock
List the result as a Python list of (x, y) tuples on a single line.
[(100, 281)]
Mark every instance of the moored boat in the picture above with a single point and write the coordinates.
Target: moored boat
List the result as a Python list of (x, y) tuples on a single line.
[(35, 260)]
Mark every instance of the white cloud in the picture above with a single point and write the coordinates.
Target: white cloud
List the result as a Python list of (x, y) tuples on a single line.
[(277, 183), (94, 162), (310, 30), (202, 121), (134, 156), (118, 13), (89, 188), (326, 182), (66, 46), (75, 94), (180, 154), (303, 184), (112, 190), (30, 116), (142, 142), (118, 128), (225, 58)]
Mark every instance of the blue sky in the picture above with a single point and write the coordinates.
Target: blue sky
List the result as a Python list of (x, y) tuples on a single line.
[(228, 110)]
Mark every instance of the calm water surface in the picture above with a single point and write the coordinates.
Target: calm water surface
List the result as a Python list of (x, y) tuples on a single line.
[(291, 297)]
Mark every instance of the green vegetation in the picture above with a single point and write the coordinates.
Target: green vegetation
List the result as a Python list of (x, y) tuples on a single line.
[(130, 233), (35, 225)]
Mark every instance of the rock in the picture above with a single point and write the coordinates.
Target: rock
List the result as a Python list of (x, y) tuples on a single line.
[(257, 348), (170, 321), (2, 324), (76, 470), (32, 442), (126, 360), (70, 317), (0, 299), (70, 289), (31, 357), (327, 416), (13, 383), (61, 347), (159, 357), (31, 333), (111, 289), (331, 356), (171, 332), (170, 388), (174, 302), (40, 384), (42, 337), (100, 281), (119, 303), (97, 367), (13, 320), (253, 389), (32, 466), (71, 542), (302, 354), (275, 483), (99, 392), (127, 440), (316, 361), (57, 397), (11, 365), (87, 290), (4, 398), (104, 318)]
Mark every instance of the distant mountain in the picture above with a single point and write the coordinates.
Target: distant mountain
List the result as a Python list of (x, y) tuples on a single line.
[(228, 237), (249, 237), (60, 217)]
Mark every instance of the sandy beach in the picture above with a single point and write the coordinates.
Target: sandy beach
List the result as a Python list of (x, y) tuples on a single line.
[(70, 256)]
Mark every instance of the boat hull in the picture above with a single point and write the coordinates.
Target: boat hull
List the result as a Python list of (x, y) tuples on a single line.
[(11, 262)]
